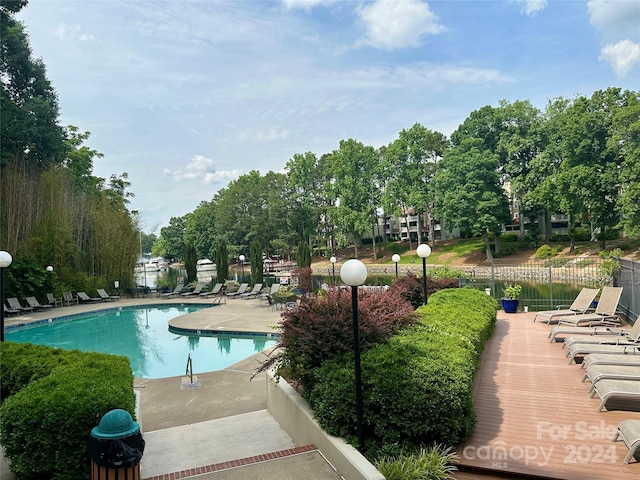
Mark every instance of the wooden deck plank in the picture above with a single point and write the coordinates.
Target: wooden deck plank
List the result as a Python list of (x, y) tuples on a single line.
[(534, 414)]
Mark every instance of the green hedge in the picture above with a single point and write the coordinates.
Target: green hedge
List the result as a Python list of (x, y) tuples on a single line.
[(417, 388), (56, 398)]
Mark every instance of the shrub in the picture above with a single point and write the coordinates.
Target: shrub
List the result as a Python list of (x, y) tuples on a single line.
[(445, 271), (319, 328), (434, 463), (509, 238), (409, 287), (417, 388), (46, 423), (545, 251)]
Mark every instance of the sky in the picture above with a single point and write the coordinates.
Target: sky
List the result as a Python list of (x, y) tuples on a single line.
[(185, 96)]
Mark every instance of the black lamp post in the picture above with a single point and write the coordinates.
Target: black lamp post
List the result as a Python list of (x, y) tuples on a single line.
[(396, 259), (241, 258), (423, 252), (5, 261), (354, 273), (333, 261)]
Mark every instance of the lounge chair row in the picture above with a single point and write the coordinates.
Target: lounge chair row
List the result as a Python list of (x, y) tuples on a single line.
[(611, 362), (32, 303), (609, 354)]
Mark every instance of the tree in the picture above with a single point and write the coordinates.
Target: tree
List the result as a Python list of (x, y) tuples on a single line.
[(352, 185), (201, 229), (625, 139), (257, 265), (173, 237), (221, 259), (190, 260), (468, 191), (304, 255), (29, 114), (409, 166)]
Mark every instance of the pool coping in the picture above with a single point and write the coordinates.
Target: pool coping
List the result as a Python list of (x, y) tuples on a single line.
[(51, 319)]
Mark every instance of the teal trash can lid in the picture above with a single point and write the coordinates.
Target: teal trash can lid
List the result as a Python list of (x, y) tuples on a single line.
[(115, 424)]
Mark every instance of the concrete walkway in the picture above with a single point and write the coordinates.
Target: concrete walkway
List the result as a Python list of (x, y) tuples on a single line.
[(220, 427)]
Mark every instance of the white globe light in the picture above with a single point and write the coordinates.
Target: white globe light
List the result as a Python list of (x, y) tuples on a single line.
[(353, 272), (423, 250), (49, 268), (333, 259), (5, 259), (395, 257), (241, 258)]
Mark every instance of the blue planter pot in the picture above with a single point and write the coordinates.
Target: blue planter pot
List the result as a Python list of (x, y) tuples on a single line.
[(509, 306)]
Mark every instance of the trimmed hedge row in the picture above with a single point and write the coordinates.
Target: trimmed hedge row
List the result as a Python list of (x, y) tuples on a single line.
[(52, 398), (417, 388)]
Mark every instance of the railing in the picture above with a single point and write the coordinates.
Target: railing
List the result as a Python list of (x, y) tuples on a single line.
[(628, 277), (189, 370)]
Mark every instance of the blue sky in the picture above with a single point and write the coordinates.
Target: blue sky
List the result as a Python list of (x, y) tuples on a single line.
[(185, 96)]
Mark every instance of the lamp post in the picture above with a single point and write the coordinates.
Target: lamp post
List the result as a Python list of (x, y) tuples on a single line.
[(241, 258), (49, 269), (354, 273), (5, 261), (396, 258), (423, 252), (333, 261)]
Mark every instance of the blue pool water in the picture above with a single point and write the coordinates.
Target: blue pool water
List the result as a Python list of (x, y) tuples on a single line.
[(142, 334)]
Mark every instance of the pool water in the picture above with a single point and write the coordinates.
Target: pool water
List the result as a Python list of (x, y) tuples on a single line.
[(142, 334)]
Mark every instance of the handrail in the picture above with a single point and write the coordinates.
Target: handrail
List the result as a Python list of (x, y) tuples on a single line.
[(189, 370)]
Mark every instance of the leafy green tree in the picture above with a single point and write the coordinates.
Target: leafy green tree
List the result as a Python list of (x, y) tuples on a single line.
[(468, 191), (305, 190), (29, 116), (257, 265), (173, 237), (409, 166), (201, 229), (353, 186), (625, 139)]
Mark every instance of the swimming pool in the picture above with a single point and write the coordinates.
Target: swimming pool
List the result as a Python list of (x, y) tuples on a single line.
[(141, 333)]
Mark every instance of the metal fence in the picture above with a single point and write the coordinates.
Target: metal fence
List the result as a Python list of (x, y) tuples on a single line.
[(628, 277), (546, 282)]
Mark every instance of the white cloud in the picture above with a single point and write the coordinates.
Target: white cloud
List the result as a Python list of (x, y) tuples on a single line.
[(398, 24), (531, 7), (622, 56), (202, 168), (73, 32), (615, 18)]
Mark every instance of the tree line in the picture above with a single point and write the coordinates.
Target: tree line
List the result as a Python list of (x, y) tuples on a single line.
[(579, 157), (53, 210)]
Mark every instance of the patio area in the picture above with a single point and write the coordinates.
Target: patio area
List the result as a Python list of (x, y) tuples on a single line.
[(534, 413)]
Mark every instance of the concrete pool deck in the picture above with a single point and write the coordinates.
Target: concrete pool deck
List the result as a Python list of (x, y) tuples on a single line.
[(222, 429)]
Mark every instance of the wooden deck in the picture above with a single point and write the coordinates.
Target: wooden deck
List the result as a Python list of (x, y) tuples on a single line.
[(534, 413)]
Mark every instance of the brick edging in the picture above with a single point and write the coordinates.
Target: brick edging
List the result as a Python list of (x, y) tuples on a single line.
[(217, 467)]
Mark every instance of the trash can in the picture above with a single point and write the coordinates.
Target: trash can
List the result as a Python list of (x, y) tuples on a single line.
[(116, 447)]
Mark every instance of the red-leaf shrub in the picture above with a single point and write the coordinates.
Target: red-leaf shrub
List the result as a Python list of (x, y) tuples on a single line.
[(319, 328), (410, 288)]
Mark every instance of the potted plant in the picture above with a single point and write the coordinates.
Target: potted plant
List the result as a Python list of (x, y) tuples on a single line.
[(510, 298)]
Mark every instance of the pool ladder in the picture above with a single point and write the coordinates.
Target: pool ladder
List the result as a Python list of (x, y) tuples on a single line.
[(189, 370)]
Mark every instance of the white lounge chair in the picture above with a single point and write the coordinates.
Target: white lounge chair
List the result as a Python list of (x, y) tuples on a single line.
[(605, 313), (581, 304), (622, 334), (609, 359), (595, 373), (629, 432), (616, 389)]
